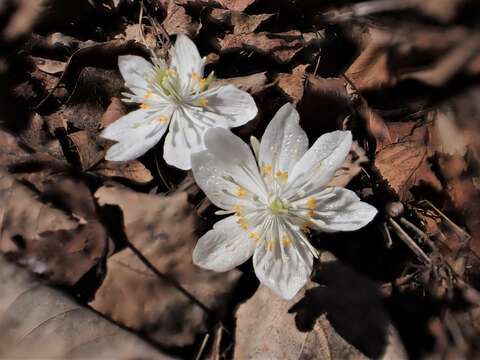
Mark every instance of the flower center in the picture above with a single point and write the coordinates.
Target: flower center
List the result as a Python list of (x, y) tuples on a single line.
[(278, 206)]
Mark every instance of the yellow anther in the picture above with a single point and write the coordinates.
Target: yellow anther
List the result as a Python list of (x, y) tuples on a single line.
[(267, 169), (306, 227), (240, 192), (145, 106), (254, 237), (148, 95), (203, 102), (269, 245), (203, 83), (243, 223), (172, 72), (312, 203), (163, 119), (282, 175), (238, 210), (287, 241), (195, 76)]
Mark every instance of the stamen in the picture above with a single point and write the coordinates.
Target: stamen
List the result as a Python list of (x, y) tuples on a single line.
[(145, 106), (287, 241), (203, 102), (240, 192), (312, 206), (195, 76), (306, 227), (267, 169), (282, 175), (243, 223), (238, 210), (148, 95), (163, 119), (268, 245), (254, 237)]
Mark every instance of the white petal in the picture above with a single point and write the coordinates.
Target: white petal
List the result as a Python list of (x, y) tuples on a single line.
[(136, 133), (223, 248), (227, 107), (287, 274), (284, 142), (186, 59), (135, 71), (340, 209), (235, 158), (183, 139), (322, 160)]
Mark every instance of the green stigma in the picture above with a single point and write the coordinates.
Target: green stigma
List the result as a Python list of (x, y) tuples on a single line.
[(277, 207)]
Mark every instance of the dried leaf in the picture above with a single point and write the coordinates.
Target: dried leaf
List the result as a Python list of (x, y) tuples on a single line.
[(240, 22), (351, 167), (49, 66), (282, 47), (45, 239), (40, 322), (132, 170), (253, 84), (88, 150), (238, 5), (114, 111), (165, 230), (178, 21), (403, 163), (293, 84)]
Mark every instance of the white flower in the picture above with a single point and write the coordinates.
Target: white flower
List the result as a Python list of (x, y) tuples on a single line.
[(177, 97), (276, 198)]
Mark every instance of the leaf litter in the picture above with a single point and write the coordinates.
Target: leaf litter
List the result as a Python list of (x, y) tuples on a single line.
[(402, 75)]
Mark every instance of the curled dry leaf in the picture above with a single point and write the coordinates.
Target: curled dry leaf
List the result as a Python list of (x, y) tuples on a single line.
[(39, 322), (47, 240), (293, 84), (403, 162), (165, 230), (114, 111), (282, 47), (49, 66)]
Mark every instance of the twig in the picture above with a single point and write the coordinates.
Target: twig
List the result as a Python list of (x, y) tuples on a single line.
[(455, 228), (164, 180), (169, 280), (409, 242), (202, 347)]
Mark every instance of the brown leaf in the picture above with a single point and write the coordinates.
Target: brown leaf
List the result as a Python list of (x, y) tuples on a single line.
[(40, 322), (165, 230), (240, 22), (45, 239), (374, 123), (178, 21), (253, 84), (88, 150), (293, 84), (114, 111), (403, 163), (370, 69), (49, 66), (351, 167), (132, 170), (450, 64), (282, 47), (238, 5)]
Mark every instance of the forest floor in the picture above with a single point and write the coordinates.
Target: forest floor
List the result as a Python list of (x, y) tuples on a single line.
[(402, 75)]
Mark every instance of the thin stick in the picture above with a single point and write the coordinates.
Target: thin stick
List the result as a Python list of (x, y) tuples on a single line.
[(169, 280), (164, 180), (409, 242), (455, 228), (202, 347)]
